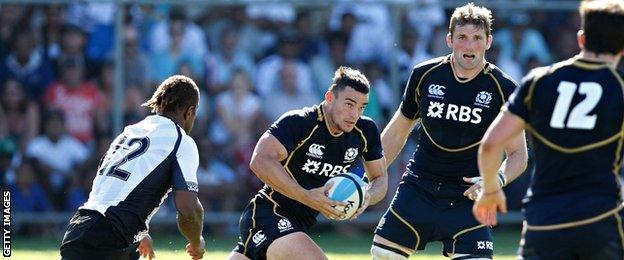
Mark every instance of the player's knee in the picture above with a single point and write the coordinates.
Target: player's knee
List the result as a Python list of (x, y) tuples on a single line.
[(469, 257), (379, 253)]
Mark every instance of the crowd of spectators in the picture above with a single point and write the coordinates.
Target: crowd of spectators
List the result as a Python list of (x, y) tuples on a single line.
[(252, 63)]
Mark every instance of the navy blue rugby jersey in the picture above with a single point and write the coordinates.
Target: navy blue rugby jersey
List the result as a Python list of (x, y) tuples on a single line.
[(315, 155), (574, 111), (454, 113)]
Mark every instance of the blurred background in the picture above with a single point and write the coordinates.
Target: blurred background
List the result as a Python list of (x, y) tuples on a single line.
[(72, 74)]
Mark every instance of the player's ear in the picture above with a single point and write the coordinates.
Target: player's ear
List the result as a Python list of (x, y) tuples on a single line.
[(329, 96), (449, 40), (580, 39), (190, 111), (488, 42)]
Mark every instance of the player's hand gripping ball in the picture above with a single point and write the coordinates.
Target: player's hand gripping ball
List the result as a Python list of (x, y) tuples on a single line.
[(349, 188)]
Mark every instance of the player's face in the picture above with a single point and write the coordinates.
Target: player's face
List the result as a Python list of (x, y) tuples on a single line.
[(469, 44), (345, 108)]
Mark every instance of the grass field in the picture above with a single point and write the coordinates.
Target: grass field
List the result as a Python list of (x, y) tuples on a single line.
[(336, 246)]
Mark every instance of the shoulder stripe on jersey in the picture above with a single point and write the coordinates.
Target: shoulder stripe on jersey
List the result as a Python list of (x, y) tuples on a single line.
[(417, 90), (498, 86), (253, 225), (452, 150), (579, 149), (461, 233), (363, 138), (602, 216), (408, 225), (529, 97), (297, 148)]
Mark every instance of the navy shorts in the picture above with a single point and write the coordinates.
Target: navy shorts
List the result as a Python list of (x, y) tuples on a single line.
[(428, 211), (260, 225), (601, 240), (91, 236)]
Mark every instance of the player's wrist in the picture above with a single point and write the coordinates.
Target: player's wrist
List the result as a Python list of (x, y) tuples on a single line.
[(502, 179)]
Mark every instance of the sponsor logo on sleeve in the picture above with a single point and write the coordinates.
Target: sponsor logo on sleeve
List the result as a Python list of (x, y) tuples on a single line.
[(192, 186)]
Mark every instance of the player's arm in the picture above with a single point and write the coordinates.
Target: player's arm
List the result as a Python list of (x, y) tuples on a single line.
[(190, 215), (377, 179), (395, 134), (504, 132), (265, 163)]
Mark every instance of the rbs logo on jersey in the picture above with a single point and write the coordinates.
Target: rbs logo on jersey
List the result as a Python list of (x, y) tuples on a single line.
[(454, 112)]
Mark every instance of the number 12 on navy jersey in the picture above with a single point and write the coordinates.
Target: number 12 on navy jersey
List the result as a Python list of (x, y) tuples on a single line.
[(579, 117), (123, 151)]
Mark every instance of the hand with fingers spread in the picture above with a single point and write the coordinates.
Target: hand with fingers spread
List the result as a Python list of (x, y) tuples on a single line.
[(365, 203), (146, 247), (488, 204), (196, 251), (318, 200)]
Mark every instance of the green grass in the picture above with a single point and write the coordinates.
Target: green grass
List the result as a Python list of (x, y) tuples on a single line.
[(169, 246)]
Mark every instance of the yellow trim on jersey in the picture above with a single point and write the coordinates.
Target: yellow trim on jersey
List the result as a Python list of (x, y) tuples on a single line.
[(461, 233), (551, 70), (363, 138), (253, 225), (575, 149), (452, 150), (417, 89), (620, 230), (578, 222), (294, 150), (464, 80), (327, 123), (408, 225), (500, 89), (578, 62), (270, 198)]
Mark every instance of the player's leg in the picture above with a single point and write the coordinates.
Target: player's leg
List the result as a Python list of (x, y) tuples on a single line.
[(260, 226), (463, 236), (296, 245), (237, 256), (404, 228), (384, 249)]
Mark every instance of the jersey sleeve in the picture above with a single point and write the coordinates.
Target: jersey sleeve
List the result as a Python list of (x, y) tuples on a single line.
[(409, 105), (373, 150), (516, 104), (287, 129), (185, 166)]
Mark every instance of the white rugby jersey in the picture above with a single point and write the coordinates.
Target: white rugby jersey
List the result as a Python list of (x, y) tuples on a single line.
[(140, 168)]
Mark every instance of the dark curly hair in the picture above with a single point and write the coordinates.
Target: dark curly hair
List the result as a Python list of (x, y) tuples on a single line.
[(174, 94)]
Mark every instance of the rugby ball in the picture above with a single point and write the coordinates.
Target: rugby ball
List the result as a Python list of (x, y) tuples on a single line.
[(349, 188)]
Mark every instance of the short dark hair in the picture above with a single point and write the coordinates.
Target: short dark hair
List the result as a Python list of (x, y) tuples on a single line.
[(470, 14), (348, 77), (603, 24), (174, 94)]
